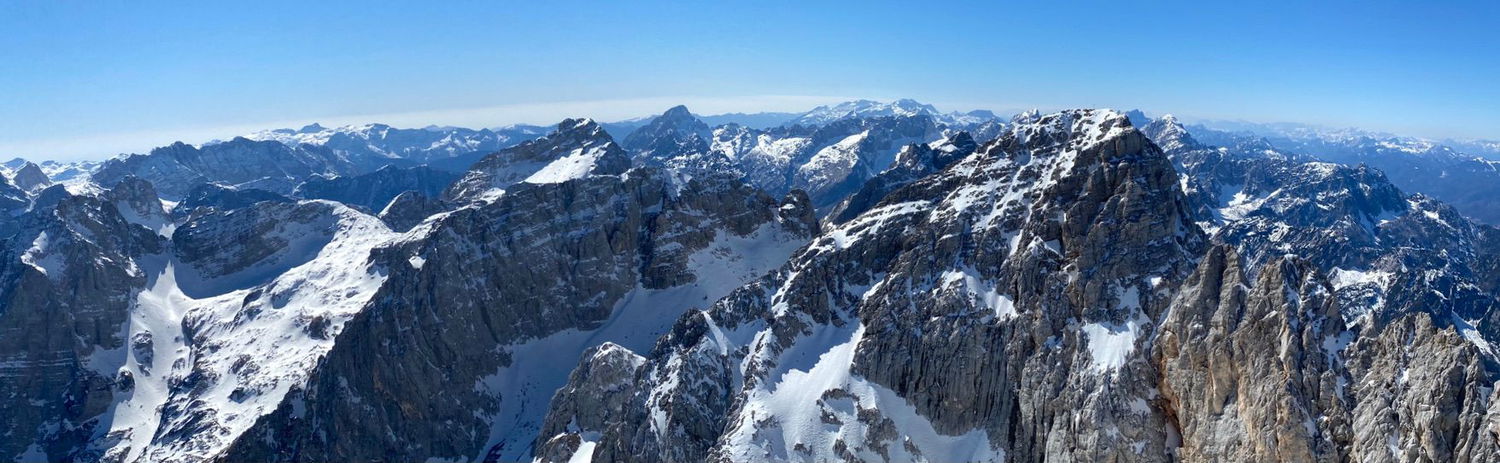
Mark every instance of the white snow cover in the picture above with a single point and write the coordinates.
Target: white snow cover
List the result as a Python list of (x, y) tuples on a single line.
[(1470, 331), (1010, 184), (1236, 203), (576, 164), (776, 419), (541, 366), (390, 142), (866, 224), (1342, 278), (863, 108), (832, 163), (70, 174), (40, 257), (764, 148), (259, 343), (585, 452), (1110, 344), (161, 224)]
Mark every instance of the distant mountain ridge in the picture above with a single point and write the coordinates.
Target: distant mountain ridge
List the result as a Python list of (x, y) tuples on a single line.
[(1447, 170)]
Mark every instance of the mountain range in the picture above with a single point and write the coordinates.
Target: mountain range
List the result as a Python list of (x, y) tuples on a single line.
[(861, 282)]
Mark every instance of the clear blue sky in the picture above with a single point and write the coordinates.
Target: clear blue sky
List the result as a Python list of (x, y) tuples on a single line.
[(90, 79)]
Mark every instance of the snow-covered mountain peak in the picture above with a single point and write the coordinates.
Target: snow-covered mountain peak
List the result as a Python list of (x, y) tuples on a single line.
[(579, 125), (677, 112), (956, 141), (864, 108), (365, 147), (676, 122), (577, 148), (1081, 128), (1169, 133), (1026, 117)]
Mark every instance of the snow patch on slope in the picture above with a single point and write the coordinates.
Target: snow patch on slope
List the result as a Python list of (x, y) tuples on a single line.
[(1110, 344), (777, 421), (576, 164), (261, 340), (41, 257), (983, 293)]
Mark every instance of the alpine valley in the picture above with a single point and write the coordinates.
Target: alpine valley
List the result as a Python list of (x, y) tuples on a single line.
[(863, 282)]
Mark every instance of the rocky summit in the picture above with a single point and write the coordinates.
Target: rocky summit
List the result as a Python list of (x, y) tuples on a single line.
[(865, 281)]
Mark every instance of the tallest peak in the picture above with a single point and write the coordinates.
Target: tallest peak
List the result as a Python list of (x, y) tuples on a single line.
[(669, 132), (582, 123)]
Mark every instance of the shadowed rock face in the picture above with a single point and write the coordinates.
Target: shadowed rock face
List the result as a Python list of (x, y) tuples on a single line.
[(478, 283), (674, 132), (219, 197), (680, 143), (67, 276), (31, 178), (410, 208), (375, 190), (13, 200)]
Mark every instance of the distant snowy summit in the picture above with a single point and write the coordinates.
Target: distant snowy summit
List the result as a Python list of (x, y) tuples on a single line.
[(903, 107), (380, 140)]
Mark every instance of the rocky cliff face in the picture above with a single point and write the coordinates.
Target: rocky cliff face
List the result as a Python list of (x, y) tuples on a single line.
[(473, 332), (1267, 370), (69, 275), (410, 208), (1253, 370), (679, 142), (1049, 297), (211, 196), (995, 267)]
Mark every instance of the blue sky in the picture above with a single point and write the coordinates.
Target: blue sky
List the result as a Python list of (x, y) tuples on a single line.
[(91, 79)]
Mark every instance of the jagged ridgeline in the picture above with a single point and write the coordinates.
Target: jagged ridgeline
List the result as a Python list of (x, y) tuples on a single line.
[(863, 282)]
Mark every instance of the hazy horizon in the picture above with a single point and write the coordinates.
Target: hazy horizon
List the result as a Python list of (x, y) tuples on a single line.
[(93, 81)]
